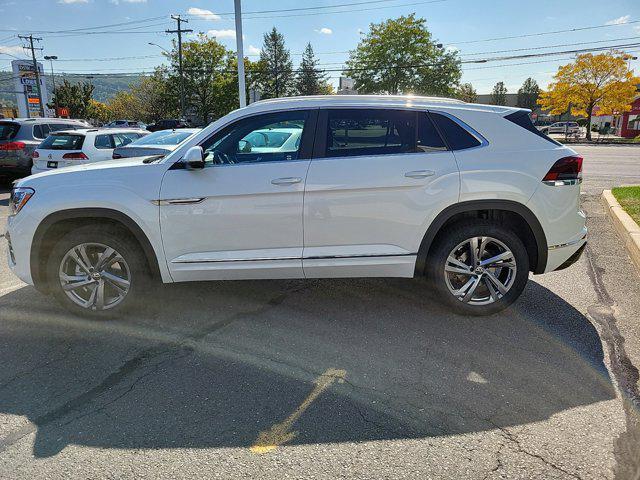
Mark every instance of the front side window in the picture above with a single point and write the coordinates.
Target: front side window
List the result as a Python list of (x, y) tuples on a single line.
[(272, 137), (353, 132)]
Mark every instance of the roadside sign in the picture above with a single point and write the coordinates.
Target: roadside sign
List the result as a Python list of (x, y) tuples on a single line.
[(34, 100)]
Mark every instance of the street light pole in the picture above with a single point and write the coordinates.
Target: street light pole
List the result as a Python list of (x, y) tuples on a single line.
[(51, 58), (242, 95)]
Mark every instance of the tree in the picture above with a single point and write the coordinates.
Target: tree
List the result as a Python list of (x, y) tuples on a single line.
[(466, 93), (603, 80), (274, 76), (98, 111), (310, 80), (206, 65), (74, 96), (528, 94), (124, 105), (400, 56), (499, 94)]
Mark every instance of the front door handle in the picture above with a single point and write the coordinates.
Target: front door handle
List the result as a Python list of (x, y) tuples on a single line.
[(286, 180), (420, 174)]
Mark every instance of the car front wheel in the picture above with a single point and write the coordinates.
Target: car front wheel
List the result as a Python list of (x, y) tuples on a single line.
[(96, 271), (478, 268)]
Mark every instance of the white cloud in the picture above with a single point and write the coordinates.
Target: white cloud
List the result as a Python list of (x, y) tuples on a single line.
[(251, 50), (325, 31), (620, 20), (222, 33), (117, 2), (203, 14), (16, 50), (451, 48), (69, 2)]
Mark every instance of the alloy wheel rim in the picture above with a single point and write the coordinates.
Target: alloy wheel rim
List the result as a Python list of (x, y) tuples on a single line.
[(480, 270), (94, 276)]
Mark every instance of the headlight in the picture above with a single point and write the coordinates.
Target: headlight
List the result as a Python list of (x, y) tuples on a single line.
[(19, 198)]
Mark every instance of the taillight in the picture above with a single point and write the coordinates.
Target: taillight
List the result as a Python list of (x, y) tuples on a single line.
[(75, 156), (13, 146), (35, 154), (566, 171)]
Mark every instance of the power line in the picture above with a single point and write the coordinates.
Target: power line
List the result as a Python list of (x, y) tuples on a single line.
[(554, 32)]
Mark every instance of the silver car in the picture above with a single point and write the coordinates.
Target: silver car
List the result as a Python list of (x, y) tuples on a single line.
[(21, 136), (161, 142)]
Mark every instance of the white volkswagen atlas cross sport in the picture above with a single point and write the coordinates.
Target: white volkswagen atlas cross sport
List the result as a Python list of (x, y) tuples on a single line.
[(471, 196)]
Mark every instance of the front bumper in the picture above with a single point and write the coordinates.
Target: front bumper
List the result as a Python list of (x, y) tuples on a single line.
[(18, 252), (573, 258)]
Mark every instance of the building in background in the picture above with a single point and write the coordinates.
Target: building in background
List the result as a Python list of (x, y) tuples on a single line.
[(25, 85)]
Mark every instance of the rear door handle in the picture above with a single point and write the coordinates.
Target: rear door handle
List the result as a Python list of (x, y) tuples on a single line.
[(286, 180), (420, 174)]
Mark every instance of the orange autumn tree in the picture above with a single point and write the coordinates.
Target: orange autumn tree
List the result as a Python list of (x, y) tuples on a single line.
[(601, 80)]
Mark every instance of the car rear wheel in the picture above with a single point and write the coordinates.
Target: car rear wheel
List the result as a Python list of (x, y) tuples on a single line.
[(94, 271), (478, 268)]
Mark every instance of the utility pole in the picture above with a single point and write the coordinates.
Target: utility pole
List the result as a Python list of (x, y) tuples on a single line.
[(35, 68), (180, 31), (51, 58), (241, 85)]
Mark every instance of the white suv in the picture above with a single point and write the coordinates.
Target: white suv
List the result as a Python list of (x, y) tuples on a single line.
[(473, 197), (78, 147)]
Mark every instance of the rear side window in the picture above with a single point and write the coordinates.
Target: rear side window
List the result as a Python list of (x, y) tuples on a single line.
[(8, 130), (456, 136), (370, 132), (428, 139), (41, 131), (102, 142), (63, 142), (522, 119)]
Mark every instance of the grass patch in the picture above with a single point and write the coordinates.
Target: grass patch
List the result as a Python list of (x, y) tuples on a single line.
[(629, 198)]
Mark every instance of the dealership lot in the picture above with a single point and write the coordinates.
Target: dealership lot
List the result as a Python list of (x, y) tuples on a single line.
[(333, 378)]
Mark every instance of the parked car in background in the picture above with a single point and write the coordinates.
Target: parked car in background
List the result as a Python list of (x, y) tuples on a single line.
[(471, 196), (156, 143), (20, 137), (126, 124), (77, 147), (169, 124), (570, 128)]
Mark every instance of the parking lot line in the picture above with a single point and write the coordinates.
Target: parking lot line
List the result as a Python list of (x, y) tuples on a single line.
[(280, 433)]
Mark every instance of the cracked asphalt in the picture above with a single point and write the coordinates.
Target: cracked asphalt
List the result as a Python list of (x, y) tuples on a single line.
[(183, 388)]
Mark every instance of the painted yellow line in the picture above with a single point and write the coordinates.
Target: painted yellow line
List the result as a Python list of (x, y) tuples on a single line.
[(281, 433)]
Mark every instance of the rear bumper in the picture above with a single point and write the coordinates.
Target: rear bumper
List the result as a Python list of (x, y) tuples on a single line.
[(573, 258), (15, 164), (566, 254)]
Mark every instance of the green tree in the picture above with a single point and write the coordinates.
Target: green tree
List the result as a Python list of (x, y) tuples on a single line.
[(499, 94), (74, 96), (400, 56), (310, 80), (205, 63), (466, 93), (528, 94), (274, 76)]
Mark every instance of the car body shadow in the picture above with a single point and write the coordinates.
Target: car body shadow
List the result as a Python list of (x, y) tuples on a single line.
[(215, 364)]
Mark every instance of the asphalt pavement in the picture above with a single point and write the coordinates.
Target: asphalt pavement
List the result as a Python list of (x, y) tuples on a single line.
[(345, 378)]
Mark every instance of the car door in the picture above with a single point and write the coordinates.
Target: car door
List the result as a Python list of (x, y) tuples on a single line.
[(377, 179), (241, 215)]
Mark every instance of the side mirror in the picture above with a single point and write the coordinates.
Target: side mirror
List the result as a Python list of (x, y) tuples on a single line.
[(194, 158)]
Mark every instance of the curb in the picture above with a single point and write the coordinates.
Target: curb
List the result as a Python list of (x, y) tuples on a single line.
[(626, 227)]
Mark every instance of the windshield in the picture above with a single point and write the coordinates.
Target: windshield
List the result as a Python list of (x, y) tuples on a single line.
[(63, 142), (8, 130), (164, 137)]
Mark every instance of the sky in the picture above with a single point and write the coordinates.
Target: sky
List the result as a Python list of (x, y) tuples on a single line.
[(470, 26)]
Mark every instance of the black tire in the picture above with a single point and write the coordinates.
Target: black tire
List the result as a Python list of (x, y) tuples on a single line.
[(119, 240), (455, 235)]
